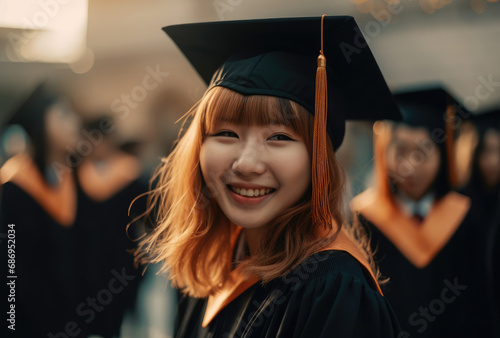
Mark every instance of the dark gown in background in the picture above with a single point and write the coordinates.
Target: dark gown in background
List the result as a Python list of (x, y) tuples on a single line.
[(445, 294), (102, 245), (47, 286), (330, 294)]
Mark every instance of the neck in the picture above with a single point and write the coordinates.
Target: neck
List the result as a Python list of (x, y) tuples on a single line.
[(51, 174), (254, 237)]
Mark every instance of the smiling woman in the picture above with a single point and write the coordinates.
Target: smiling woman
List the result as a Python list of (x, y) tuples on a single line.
[(248, 206)]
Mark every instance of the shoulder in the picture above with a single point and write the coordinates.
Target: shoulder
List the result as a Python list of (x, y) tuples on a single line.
[(330, 265), (331, 292)]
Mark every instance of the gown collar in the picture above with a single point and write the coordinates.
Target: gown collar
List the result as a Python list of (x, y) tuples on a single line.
[(59, 202), (411, 207), (419, 243), (236, 284)]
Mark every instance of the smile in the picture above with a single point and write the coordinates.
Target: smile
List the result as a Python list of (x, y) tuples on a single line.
[(251, 192)]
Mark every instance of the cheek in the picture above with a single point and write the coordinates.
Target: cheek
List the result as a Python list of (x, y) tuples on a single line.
[(294, 168), (212, 160), (432, 167)]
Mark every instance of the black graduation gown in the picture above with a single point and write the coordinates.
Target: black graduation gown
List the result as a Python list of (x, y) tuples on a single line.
[(493, 265), (446, 297), (484, 201), (328, 295), (102, 246), (47, 287)]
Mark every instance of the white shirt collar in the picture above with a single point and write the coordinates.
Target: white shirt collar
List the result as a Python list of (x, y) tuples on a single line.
[(411, 207)]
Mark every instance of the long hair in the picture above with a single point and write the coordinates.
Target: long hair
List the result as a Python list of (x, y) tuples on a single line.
[(191, 236)]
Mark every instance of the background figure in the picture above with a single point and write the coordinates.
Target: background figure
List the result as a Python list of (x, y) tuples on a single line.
[(427, 237), (39, 199), (108, 181), (484, 185), (484, 189)]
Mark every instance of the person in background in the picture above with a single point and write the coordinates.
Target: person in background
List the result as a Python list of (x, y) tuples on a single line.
[(39, 205), (426, 236), (108, 180), (484, 184), (484, 190)]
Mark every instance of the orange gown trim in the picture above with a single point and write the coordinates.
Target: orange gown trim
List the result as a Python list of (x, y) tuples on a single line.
[(59, 202), (419, 243), (237, 283), (122, 169)]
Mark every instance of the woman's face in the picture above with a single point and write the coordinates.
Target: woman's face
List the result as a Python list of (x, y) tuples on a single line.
[(413, 161), (255, 172), (489, 158), (62, 126)]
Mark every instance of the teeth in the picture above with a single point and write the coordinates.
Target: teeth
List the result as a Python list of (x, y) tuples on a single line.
[(251, 192)]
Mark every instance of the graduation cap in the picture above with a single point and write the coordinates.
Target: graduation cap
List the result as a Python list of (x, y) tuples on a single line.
[(426, 106), (30, 113), (279, 57), (434, 108)]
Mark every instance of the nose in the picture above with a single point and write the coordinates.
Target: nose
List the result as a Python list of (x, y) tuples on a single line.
[(249, 161)]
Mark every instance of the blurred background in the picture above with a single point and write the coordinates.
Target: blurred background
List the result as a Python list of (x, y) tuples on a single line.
[(111, 58)]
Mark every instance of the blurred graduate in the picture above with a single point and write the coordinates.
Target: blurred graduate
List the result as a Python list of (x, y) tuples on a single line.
[(484, 190), (108, 180), (40, 200), (427, 237)]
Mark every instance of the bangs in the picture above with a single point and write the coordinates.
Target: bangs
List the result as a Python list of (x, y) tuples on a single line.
[(225, 105)]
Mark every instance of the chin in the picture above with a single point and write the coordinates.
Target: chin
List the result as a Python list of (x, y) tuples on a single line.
[(245, 224)]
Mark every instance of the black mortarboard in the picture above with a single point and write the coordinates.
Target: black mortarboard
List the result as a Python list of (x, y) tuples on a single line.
[(425, 106), (278, 57), (489, 119), (30, 114)]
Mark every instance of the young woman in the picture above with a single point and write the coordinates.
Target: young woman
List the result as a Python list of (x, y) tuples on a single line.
[(39, 206), (483, 189), (426, 236), (240, 202), (108, 179), (484, 185)]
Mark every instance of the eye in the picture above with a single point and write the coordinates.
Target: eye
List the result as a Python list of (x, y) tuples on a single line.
[(226, 134), (280, 137)]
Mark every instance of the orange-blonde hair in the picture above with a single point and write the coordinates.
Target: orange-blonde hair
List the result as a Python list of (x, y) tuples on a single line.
[(192, 237)]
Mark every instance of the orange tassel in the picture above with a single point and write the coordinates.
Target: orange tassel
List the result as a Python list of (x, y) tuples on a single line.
[(320, 206), (450, 149)]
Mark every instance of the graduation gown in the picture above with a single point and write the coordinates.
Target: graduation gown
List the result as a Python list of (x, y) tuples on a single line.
[(103, 242), (331, 293), (438, 283), (46, 287), (438, 276)]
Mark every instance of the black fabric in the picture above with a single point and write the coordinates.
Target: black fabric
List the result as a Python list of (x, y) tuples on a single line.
[(60, 268), (453, 287), (47, 289), (425, 106), (493, 265), (102, 247), (329, 295), (278, 57)]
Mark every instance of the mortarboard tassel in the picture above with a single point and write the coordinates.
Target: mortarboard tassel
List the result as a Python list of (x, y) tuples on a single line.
[(320, 206), (450, 149)]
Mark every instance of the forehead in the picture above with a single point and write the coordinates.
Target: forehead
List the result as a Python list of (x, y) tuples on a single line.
[(492, 136), (407, 134)]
